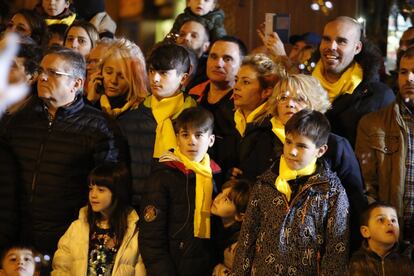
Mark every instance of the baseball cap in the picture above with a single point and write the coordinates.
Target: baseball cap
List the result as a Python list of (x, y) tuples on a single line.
[(310, 38)]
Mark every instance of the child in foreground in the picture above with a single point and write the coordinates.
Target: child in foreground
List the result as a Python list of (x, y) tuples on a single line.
[(230, 205), (175, 229), (103, 241), (380, 253), (296, 220), (18, 260)]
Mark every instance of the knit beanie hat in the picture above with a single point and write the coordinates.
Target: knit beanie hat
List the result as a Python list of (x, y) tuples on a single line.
[(103, 23)]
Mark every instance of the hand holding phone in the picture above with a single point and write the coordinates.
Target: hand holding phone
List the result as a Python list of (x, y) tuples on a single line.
[(278, 23)]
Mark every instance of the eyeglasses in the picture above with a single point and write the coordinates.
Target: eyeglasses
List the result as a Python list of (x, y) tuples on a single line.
[(53, 73), (287, 96)]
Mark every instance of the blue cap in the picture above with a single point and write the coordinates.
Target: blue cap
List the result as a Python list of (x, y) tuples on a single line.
[(310, 38)]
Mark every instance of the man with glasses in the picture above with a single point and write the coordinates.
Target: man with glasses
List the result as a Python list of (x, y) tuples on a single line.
[(57, 140)]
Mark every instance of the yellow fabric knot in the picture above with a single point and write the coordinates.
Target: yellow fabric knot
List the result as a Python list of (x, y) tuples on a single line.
[(204, 193), (347, 83)]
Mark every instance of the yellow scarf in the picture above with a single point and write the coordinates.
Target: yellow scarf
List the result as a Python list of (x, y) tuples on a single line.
[(241, 121), (278, 128), (286, 174), (349, 80), (163, 111), (106, 107), (204, 193), (66, 20)]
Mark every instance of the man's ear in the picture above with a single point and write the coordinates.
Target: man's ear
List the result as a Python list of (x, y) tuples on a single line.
[(205, 46), (239, 217), (32, 78), (212, 139), (358, 47), (365, 231), (321, 150), (78, 85)]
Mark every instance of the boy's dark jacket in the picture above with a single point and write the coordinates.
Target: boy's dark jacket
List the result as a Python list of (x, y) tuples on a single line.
[(305, 236), (214, 21), (398, 262), (166, 237)]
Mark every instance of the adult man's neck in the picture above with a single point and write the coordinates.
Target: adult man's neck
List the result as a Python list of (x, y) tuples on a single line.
[(218, 91), (331, 77)]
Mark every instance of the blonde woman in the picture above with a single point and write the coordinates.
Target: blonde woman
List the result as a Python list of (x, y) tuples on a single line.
[(254, 85), (121, 78), (296, 92)]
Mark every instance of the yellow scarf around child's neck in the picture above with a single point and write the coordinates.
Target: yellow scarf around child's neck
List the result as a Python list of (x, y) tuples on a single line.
[(164, 110), (66, 20), (349, 80), (115, 112), (241, 121), (286, 174), (204, 193), (278, 128)]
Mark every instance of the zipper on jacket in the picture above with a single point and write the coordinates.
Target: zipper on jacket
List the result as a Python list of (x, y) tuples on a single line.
[(289, 206), (382, 266), (40, 154)]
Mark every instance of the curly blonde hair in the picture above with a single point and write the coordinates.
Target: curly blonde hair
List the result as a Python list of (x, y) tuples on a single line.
[(133, 68), (300, 86)]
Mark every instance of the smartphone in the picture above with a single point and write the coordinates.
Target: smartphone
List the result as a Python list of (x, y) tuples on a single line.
[(279, 23)]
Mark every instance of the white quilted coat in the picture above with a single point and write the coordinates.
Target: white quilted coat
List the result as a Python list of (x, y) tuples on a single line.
[(71, 257)]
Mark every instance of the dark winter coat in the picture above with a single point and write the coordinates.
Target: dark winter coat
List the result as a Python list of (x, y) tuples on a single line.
[(256, 150), (224, 150), (138, 127), (214, 22), (166, 237), (55, 157), (307, 236), (9, 197), (397, 262)]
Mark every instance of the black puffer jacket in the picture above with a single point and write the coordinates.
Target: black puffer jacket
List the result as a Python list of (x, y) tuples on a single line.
[(138, 128), (55, 157), (8, 194), (166, 237), (256, 150)]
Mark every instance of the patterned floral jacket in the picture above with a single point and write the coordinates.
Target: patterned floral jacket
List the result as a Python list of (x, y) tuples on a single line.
[(306, 236)]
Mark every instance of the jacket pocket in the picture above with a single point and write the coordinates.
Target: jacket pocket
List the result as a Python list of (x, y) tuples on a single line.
[(386, 144)]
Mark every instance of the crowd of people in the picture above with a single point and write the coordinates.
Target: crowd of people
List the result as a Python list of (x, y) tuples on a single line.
[(201, 157)]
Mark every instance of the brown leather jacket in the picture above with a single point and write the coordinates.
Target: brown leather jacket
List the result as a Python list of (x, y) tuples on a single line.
[(381, 148)]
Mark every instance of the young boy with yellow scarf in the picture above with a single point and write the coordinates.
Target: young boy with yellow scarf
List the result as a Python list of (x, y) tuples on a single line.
[(175, 210), (149, 128), (297, 218)]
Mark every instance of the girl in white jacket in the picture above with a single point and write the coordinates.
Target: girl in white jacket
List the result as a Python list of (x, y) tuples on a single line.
[(104, 240)]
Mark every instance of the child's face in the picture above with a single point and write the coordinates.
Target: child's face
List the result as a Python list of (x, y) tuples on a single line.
[(18, 262), (100, 198), (54, 7), (222, 205), (383, 228), (78, 40), (165, 83), (201, 7), (299, 151), (194, 143)]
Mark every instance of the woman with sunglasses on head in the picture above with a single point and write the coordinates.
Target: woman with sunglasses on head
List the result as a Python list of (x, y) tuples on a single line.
[(291, 95)]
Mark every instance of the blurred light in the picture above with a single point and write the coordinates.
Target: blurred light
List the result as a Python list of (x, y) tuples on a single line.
[(361, 20), (315, 6), (46, 257), (328, 4)]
